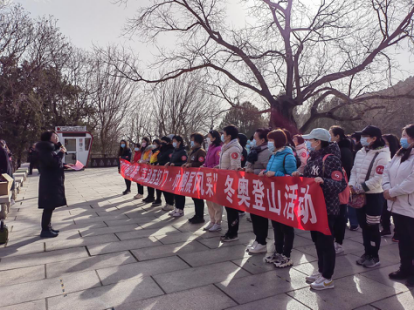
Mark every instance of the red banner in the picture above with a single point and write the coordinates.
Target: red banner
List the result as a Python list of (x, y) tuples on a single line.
[(292, 201)]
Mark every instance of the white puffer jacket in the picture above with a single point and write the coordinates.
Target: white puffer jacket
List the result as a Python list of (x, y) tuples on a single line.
[(362, 162), (399, 180), (230, 156)]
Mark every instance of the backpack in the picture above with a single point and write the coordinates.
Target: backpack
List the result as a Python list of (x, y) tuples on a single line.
[(298, 161), (345, 195)]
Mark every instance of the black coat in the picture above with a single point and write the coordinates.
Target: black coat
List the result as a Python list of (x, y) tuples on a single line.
[(126, 154), (52, 177), (165, 154), (179, 156), (347, 156), (5, 166)]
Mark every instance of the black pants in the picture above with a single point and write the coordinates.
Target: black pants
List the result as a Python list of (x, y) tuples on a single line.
[(233, 222), (128, 184), (179, 201), (260, 228), (369, 217), (31, 166), (284, 236), (140, 189), (386, 217), (340, 224), (199, 207), (169, 198), (325, 249), (406, 242), (151, 193), (47, 218)]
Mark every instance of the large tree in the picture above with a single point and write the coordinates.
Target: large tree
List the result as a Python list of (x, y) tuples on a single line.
[(294, 55)]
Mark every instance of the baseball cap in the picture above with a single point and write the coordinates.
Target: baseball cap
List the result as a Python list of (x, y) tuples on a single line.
[(318, 134), (371, 131)]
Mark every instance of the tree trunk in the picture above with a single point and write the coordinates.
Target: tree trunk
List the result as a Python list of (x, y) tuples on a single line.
[(282, 114)]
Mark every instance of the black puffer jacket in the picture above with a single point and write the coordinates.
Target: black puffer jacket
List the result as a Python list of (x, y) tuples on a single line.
[(347, 156), (165, 154), (52, 177), (334, 181), (179, 156)]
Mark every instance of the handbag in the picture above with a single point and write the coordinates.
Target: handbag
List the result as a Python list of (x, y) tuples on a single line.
[(357, 201)]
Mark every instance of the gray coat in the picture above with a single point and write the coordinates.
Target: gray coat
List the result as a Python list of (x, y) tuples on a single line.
[(262, 159)]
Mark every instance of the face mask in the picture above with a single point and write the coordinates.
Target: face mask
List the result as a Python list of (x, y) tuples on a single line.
[(364, 141), (154, 146), (309, 146), (144, 144), (253, 143), (208, 141), (122, 145), (404, 143), (271, 146), (222, 138), (136, 149), (192, 143), (175, 144)]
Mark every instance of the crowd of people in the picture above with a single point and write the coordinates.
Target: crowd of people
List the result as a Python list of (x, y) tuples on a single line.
[(376, 169)]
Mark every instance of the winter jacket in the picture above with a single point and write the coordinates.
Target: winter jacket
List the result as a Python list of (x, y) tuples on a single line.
[(263, 155), (213, 156), (179, 156), (126, 154), (197, 157), (347, 156), (5, 166), (137, 156), (282, 162), (52, 177), (230, 157), (154, 156), (362, 162), (146, 154), (303, 154), (333, 178), (165, 154), (399, 180), (243, 158)]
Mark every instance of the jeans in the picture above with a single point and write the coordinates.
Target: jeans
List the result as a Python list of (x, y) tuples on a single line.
[(47, 218), (325, 249), (284, 236), (260, 228), (233, 222), (340, 224)]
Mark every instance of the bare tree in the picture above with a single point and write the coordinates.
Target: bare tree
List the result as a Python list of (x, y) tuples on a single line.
[(295, 55)]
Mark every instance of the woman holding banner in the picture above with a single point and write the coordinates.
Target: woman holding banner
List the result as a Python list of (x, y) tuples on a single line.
[(125, 153), (325, 167), (163, 158)]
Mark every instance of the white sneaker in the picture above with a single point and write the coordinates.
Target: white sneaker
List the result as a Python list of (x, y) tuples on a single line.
[(210, 225), (271, 259), (251, 246), (138, 196), (314, 277), (338, 248), (259, 248), (216, 227), (322, 284), (178, 213), (172, 212)]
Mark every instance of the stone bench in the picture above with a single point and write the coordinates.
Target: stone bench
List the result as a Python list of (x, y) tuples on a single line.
[(5, 202)]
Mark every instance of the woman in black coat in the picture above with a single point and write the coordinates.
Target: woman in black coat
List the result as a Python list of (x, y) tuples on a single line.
[(52, 179), (125, 153)]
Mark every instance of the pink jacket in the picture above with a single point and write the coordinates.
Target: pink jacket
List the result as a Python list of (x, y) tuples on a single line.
[(213, 156)]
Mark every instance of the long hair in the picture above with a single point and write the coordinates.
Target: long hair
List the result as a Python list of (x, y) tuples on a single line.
[(215, 134), (122, 150), (405, 153), (393, 142)]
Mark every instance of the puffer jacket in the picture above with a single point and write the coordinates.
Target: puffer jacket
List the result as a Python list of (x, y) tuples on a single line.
[(230, 157), (179, 156), (197, 157), (282, 162), (165, 154), (213, 156), (146, 154), (362, 162), (263, 155), (303, 154), (399, 180), (333, 179)]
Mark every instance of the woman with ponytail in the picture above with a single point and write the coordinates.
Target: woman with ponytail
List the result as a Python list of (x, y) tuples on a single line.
[(398, 185)]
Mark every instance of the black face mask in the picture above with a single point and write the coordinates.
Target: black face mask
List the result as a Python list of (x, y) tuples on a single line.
[(58, 146)]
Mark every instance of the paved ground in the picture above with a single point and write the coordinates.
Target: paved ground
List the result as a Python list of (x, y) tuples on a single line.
[(116, 253)]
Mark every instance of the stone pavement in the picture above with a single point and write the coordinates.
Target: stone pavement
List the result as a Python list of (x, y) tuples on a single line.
[(114, 252)]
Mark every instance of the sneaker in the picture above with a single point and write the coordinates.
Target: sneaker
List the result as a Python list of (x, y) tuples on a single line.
[(258, 248), (284, 262), (156, 203), (196, 220), (249, 219), (138, 196), (48, 234), (398, 275), (271, 259), (338, 248), (216, 227), (178, 213), (251, 246), (12, 202), (385, 233), (353, 228), (126, 192), (372, 262), (312, 278), (172, 212), (227, 238), (210, 225), (168, 207), (362, 259), (322, 284), (148, 199)]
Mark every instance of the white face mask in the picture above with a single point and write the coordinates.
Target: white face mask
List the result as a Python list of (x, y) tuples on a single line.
[(208, 141)]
